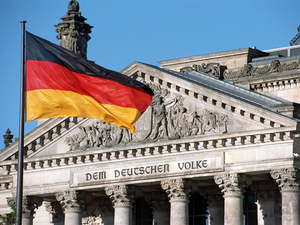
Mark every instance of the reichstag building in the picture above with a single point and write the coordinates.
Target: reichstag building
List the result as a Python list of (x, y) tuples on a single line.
[(220, 144)]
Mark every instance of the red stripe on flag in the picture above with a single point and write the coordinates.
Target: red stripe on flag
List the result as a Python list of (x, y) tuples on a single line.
[(48, 75)]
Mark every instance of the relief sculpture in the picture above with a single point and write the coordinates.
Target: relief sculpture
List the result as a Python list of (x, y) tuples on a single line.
[(168, 117), (213, 69), (274, 67)]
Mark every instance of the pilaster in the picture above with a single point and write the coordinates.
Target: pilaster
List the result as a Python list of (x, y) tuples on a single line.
[(178, 194), (288, 180), (232, 186)]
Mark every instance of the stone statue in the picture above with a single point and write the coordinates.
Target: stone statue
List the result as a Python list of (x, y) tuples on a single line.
[(73, 6)]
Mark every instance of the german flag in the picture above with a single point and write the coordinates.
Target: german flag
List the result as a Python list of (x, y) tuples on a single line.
[(60, 83)]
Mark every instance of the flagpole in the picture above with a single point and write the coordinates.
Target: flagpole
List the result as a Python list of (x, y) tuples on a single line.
[(21, 133)]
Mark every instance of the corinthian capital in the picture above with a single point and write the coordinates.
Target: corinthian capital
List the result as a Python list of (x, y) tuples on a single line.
[(29, 204), (122, 195), (288, 179), (73, 200), (233, 184), (176, 189)]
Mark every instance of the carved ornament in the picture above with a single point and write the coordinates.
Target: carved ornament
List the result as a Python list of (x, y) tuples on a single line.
[(213, 69), (176, 189), (288, 179), (73, 32), (122, 195), (233, 184), (73, 200), (274, 67), (29, 204)]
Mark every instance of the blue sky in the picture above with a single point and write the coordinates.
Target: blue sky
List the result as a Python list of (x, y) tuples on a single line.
[(145, 31)]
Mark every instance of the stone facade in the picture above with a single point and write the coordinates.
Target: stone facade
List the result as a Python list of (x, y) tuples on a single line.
[(202, 146)]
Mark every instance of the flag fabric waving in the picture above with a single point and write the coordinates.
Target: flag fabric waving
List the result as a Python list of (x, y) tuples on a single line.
[(60, 83)]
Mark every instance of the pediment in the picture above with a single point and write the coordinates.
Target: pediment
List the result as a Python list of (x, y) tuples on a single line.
[(184, 107)]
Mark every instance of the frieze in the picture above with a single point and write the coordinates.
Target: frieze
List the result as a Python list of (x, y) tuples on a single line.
[(168, 117), (274, 67), (213, 69)]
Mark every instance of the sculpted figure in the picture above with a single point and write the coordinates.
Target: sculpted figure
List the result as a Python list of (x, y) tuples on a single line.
[(275, 66), (159, 119), (186, 70), (210, 68), (181, 125), (196, 125), (104, 132), (91, 135), (210, 121), (120, 135), (247, 70)]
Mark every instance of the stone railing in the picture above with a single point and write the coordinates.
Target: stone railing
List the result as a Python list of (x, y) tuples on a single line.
[(276, 85), (214, 142)]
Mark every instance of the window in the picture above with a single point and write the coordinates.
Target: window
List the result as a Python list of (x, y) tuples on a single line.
[(250, 208), (197, 210), (143, 212)]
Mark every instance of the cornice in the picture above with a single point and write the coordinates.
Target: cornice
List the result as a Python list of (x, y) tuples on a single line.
[(217, 55)]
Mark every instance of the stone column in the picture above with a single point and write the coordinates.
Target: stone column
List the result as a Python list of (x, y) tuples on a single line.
[(160, 207), (30, 203), (267, 202), (288, 183), (122, 198), (215, 204), (178, 195), (73, 204), (232, 186)]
